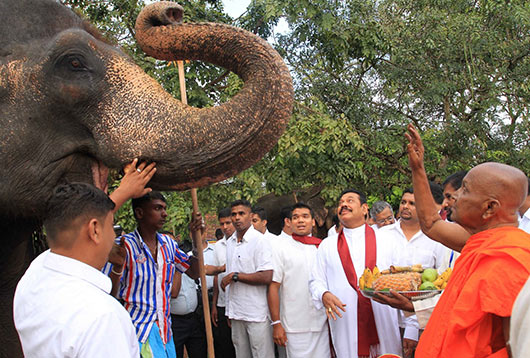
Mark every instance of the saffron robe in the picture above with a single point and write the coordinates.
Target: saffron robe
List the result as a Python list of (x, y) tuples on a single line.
[(327, 274), (491, 270)]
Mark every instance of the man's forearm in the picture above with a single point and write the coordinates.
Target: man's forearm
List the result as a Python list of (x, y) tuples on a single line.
[(215, 290), (273, 299), (256, 278), (193, 270), (425, 204)]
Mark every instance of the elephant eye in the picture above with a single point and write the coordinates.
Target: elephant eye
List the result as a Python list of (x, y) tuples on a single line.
[(74, 63)]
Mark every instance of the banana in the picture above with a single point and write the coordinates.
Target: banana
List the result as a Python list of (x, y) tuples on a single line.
[(361, 283)]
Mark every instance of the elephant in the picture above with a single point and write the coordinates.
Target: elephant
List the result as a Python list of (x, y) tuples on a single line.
[(73, 105)]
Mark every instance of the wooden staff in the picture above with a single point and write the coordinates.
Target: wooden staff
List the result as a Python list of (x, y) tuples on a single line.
[(197, 239)]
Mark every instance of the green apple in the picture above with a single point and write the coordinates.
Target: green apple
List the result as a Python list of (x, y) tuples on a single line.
[(427, 285), (429, 275)]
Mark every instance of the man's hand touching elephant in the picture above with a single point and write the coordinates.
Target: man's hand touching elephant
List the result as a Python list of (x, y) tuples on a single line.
[(133, 183)]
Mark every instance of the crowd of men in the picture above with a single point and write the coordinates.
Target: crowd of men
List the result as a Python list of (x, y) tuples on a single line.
[(288, 295)]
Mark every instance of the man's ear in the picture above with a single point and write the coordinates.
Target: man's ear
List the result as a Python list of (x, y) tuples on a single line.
[(95, 232), (365, 209), (490, 208), (139, 212)]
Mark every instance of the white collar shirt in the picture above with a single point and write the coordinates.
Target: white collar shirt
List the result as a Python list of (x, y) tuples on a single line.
[(524, 221), (284, 235), (209, 259), (420, 249), (219, 253), (253, 254), (269, 235), (62, 308), (292, 265), (186, 302)]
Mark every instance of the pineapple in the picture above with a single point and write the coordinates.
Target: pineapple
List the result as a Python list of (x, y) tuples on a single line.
[(408, 281)]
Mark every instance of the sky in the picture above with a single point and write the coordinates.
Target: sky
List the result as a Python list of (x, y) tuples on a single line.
[(235, 8)]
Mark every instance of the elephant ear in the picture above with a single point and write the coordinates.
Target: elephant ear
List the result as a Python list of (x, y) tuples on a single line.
[(25, 21)]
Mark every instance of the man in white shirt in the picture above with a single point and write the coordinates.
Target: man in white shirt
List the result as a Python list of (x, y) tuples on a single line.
[(416, 248), (297, 324), (249, 268), (259, 221), (381, 212), (186, 322), (359, 327), (285, 215), (222, 331), (62, 305)]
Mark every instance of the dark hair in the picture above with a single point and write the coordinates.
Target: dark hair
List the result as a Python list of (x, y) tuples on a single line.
[(224, 213), (408, 190), (139, 202), (437, 192), (362, 196), (219, 234), (528, 186), (301, 205), (72, 201), (455, 179), (335, 220), (285, 213), (241, 202), (259, 211)]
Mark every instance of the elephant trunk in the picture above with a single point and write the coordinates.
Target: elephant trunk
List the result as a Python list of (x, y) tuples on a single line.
[(213, 143)]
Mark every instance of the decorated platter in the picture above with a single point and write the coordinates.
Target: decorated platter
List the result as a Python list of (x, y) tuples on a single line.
[(412, 295)]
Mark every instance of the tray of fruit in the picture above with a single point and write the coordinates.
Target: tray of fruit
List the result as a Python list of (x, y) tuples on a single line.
[(414, 282)]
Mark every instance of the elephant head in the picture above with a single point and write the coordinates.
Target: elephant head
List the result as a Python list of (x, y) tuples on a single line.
[(72, 105)]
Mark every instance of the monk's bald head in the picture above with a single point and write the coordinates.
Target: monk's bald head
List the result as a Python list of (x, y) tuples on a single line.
[(490, 196)]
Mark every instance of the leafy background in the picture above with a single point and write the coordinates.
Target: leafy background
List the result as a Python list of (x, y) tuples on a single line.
[(459, 70)]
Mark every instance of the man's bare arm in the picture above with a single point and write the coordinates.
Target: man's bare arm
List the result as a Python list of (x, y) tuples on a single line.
[(449, 234), (273, 299)]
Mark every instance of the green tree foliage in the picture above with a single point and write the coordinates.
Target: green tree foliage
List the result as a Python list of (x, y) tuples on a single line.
[(363, 69)]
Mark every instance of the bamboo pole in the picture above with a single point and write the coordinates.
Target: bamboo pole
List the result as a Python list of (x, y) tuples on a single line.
[(197, 239)]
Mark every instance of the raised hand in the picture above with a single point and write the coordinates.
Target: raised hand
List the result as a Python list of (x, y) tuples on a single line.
[(136, 178), (415, 148)]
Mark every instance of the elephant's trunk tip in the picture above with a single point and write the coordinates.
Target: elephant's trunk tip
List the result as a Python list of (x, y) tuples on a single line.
[(161, 14)]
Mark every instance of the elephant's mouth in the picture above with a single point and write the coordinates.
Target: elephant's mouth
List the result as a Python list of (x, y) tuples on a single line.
[(83, 167), (100, 174)]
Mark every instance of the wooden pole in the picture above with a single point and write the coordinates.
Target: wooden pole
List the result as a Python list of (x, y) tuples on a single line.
[(197, 239)]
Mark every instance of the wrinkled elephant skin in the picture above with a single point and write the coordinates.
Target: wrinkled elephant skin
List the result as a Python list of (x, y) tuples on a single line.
[(72, 105)]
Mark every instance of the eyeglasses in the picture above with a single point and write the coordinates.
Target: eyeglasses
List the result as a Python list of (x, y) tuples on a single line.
[(389, 219)]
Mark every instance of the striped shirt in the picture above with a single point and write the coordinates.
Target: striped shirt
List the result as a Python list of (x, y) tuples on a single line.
[(145, 285)]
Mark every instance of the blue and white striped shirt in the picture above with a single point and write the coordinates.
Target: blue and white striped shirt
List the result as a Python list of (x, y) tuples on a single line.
[(145, 285)]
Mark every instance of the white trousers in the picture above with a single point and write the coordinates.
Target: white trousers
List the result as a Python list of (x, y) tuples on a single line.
[(308, 344), (252, 339)]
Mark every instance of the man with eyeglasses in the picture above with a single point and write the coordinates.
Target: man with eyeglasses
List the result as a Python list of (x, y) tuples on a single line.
[(382, 213)]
